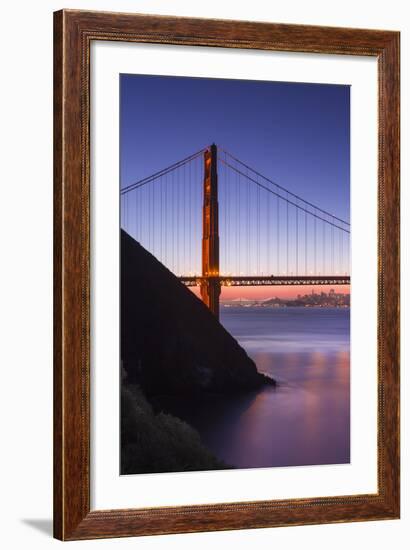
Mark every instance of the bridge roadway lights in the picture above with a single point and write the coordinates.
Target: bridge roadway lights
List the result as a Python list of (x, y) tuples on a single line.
[(220, 281)]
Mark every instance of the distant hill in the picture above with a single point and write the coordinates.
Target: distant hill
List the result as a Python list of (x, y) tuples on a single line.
[(170, 342)]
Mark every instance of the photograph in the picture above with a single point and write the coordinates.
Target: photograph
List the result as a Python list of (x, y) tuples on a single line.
[(234, 274)]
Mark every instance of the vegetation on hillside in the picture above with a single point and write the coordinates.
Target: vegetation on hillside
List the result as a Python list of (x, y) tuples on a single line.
[(158, 442)]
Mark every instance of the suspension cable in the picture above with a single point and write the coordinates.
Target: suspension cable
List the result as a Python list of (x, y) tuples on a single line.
[(160, 173), (286, 190)]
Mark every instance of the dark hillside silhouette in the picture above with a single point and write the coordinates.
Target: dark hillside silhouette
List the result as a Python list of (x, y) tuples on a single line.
[(170, 342)]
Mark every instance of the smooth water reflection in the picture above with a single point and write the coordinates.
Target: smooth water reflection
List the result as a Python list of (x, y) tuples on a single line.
[(306, 419)]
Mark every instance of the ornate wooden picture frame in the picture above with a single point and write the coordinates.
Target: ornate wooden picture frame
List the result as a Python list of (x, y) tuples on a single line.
[(74, 31)]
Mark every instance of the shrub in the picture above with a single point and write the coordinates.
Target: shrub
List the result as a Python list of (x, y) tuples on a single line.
[(154, 443)]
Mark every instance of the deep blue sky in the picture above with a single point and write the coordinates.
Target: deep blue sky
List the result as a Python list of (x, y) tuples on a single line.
[(296, 134)]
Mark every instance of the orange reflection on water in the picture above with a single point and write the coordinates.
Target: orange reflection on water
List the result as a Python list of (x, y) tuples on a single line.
[(318, 360), (342, 366), (311, 396)]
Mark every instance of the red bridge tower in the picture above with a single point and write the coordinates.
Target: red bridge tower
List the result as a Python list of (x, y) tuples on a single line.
[(210, 283)]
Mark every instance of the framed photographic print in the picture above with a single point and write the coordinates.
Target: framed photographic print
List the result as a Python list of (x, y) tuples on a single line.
[(226, 260)]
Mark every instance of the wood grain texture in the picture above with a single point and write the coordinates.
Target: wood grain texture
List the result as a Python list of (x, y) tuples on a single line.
[(57, 291), (73, 32)]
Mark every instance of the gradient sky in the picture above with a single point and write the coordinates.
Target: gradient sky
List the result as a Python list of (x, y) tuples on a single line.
[(296, 134)]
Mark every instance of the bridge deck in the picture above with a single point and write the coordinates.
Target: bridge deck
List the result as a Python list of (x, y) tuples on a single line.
[(270, 280)]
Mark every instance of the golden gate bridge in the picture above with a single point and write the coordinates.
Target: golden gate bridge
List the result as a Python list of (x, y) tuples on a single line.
[(214, 221)]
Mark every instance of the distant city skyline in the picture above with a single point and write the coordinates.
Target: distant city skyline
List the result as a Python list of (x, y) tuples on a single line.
[(268, 292), (303, 295)]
